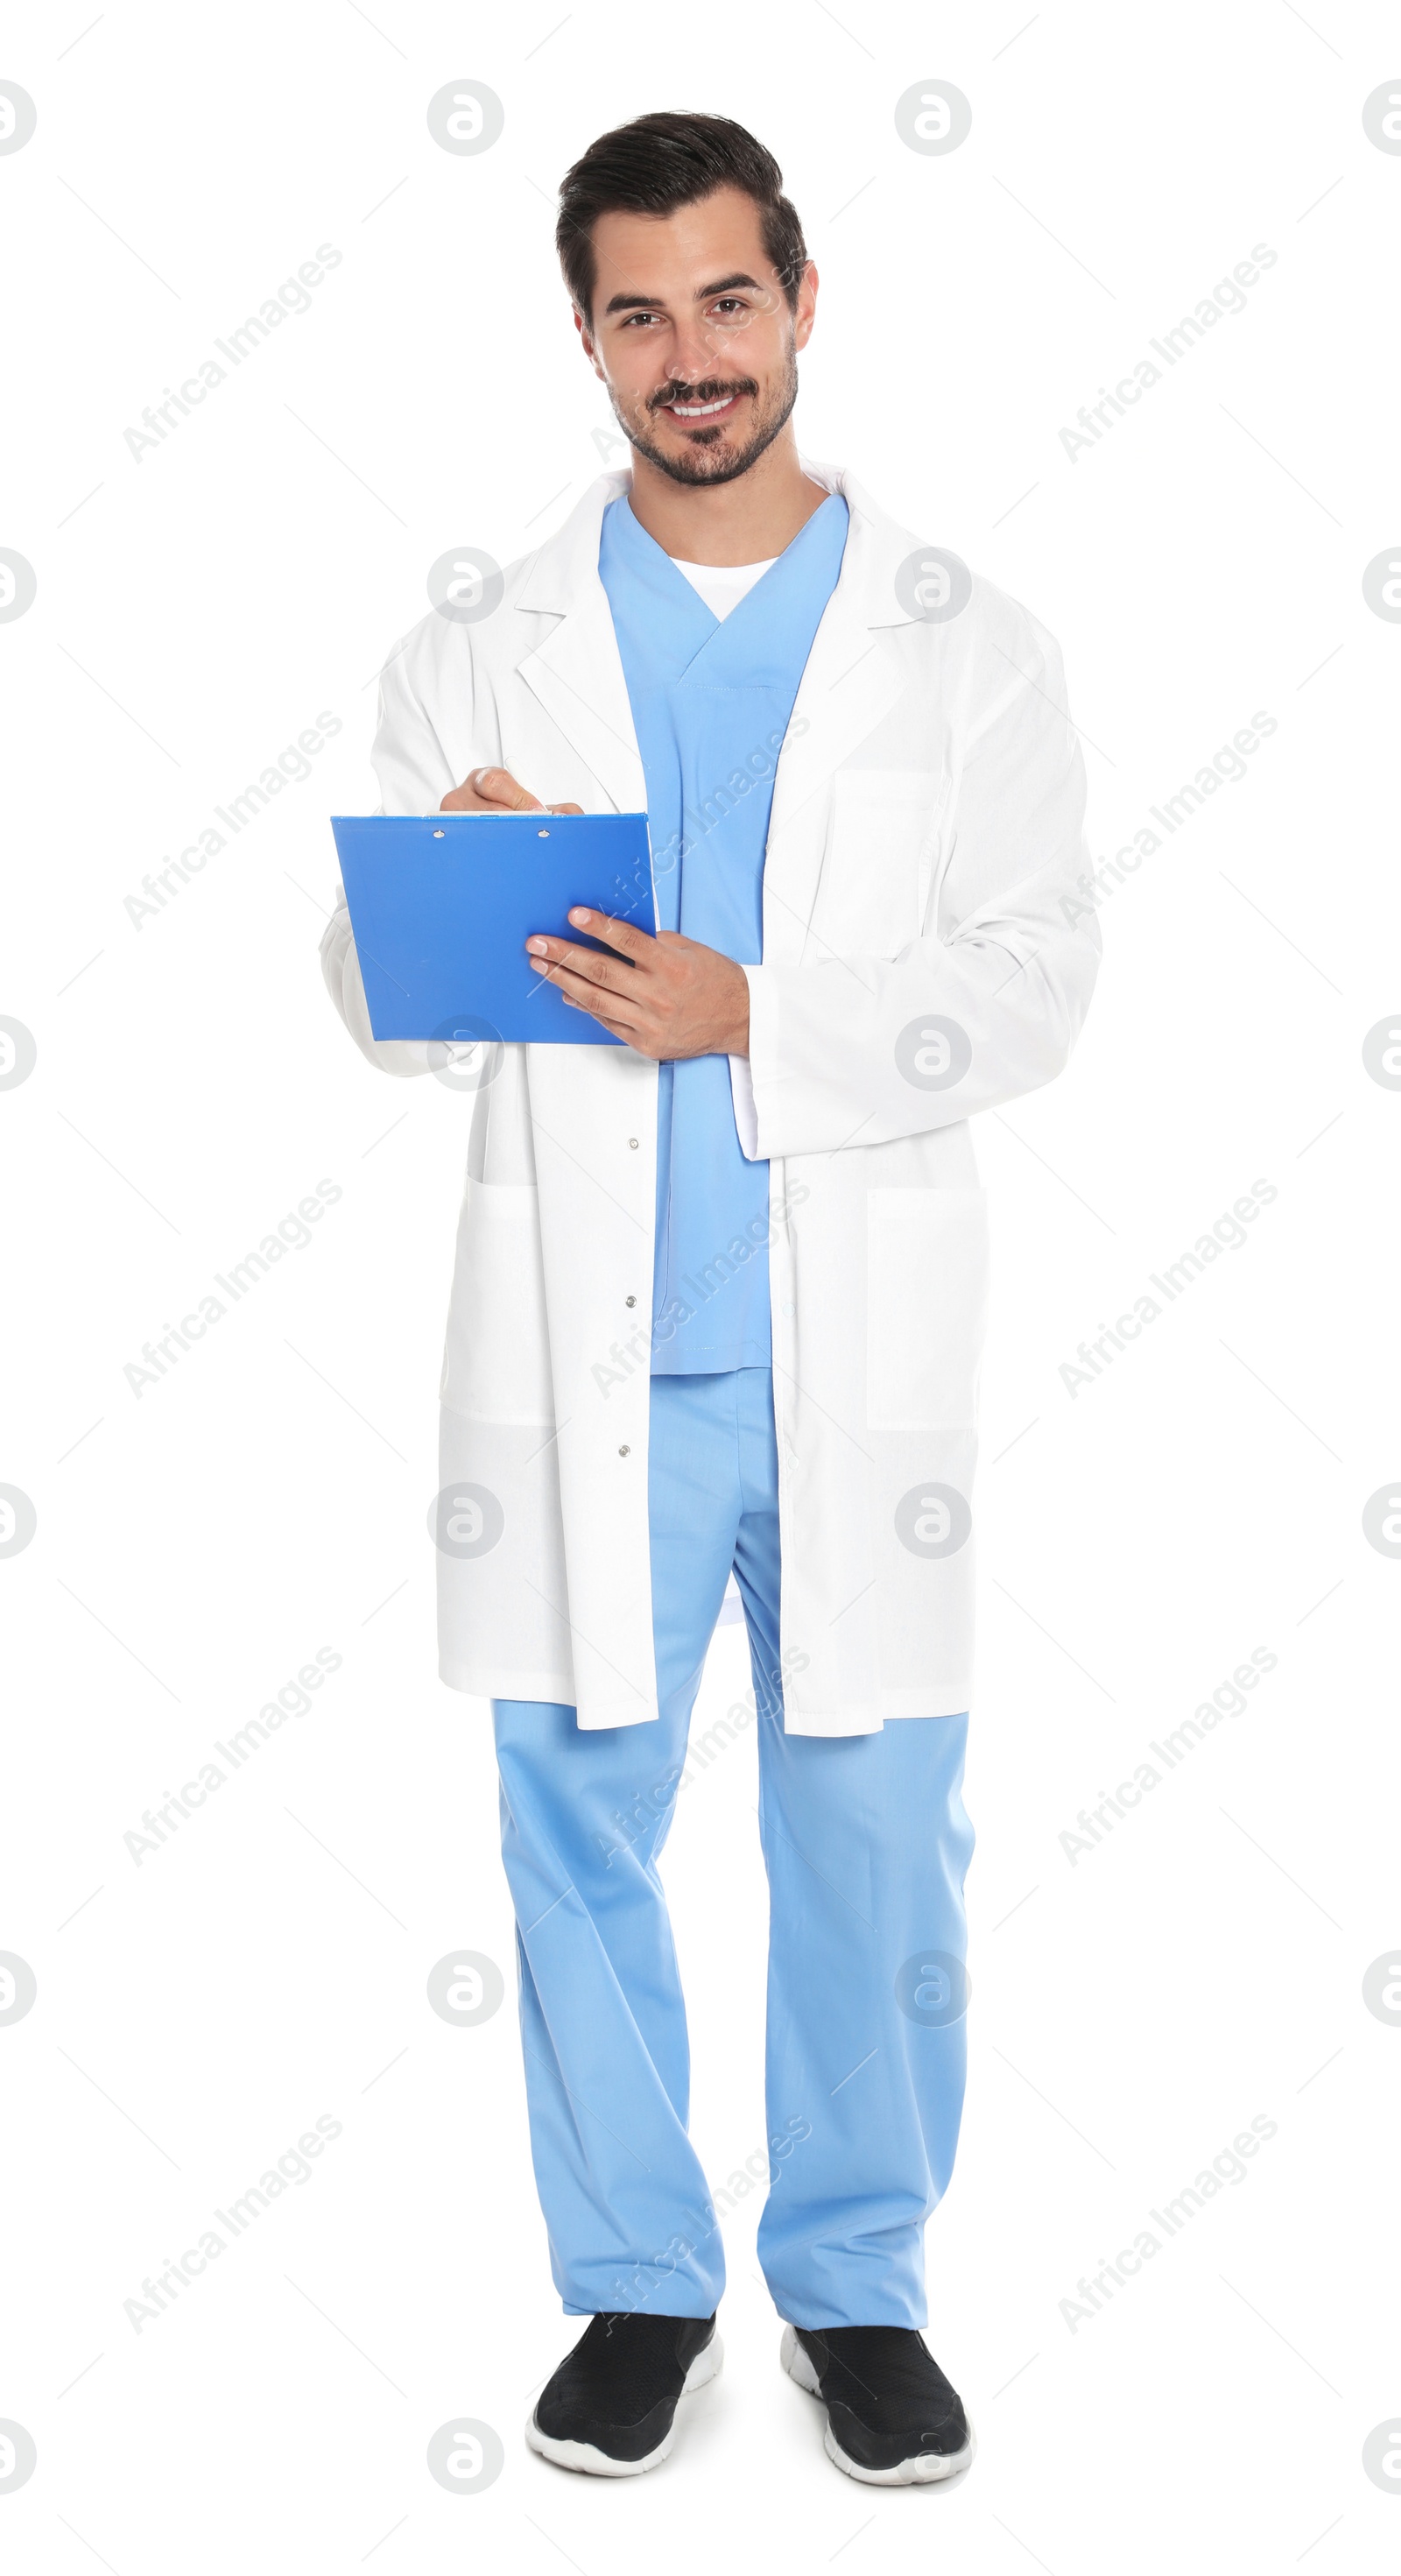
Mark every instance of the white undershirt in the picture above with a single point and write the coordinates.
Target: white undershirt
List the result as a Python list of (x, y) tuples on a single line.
[(723, 586)]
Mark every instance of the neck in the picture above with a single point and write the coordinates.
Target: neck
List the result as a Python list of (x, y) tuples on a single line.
[(742, 522)]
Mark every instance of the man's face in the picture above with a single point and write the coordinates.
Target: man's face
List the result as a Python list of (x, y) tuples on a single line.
[(693, 336)]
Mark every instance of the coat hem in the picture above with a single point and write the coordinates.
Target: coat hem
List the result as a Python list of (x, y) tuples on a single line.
[(894, 1706), (556, 1688)]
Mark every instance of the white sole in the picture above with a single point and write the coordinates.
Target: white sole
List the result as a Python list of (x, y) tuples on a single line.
[(924, 2469), (594, 2463)]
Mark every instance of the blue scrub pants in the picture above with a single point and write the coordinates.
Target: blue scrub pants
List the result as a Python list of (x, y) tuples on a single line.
[(866, 1842)]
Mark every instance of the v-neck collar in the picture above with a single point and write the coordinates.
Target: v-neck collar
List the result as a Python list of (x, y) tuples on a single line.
[(690, 626)]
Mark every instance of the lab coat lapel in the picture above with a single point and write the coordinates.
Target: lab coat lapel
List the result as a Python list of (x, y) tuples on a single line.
[(855, 673), (576, 671)]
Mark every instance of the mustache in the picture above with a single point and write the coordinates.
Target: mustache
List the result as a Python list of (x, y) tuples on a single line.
[(710, 389)]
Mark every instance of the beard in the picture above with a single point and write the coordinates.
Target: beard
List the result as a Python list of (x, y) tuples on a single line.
[(709, 458)]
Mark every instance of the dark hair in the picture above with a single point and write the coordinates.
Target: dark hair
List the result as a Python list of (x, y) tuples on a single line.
[(659, 163)]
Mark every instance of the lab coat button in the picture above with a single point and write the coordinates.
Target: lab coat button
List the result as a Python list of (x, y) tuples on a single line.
[(629, 1301), (632, 1140), (625, 1451)]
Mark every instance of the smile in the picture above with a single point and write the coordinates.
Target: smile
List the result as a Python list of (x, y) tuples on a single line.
[(700, 411)]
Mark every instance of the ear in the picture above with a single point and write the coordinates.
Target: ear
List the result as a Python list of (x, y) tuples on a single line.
[(587, 344), (805, 311)]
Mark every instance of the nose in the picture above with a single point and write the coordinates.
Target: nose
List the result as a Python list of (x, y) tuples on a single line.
[(697, 352)]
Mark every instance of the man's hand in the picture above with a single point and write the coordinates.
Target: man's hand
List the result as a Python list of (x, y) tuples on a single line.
[(495, 791), (667, 996)]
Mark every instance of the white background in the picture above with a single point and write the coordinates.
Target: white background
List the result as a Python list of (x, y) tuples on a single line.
[(1203, 1497)]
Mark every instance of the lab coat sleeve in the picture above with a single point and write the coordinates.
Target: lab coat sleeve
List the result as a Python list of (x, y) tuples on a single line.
[(862, 1050), (414, 775)]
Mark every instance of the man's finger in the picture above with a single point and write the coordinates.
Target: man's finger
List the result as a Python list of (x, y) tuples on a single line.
[(623, 935), (586, 963), (620, 1022), (616, 1028), (490, 791), (500, 788), (588, 990)]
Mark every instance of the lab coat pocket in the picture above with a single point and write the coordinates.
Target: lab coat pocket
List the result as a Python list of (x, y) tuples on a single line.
[(926, 1311), (496, 1367), (878, 865)]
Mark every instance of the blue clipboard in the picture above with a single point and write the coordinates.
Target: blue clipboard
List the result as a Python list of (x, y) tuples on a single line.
[(442, 905)]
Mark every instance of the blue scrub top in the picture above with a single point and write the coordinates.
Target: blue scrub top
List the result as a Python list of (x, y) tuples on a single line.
[(711, 699)]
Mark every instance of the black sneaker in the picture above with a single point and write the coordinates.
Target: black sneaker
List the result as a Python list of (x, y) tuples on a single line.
[(610, 2407), (892, 2418)]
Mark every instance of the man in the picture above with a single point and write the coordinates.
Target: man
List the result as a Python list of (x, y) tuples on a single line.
[(720, 1288)]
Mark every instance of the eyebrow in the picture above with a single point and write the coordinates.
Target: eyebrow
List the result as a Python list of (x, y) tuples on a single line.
[(722, 286)]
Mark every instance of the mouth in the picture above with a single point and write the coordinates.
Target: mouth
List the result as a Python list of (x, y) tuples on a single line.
[(721, 409)]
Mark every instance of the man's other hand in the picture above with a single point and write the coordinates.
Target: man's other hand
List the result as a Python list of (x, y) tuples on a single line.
[(495, 791), (667, 997)]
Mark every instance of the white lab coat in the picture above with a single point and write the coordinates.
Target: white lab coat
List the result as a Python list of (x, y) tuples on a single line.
[(920, 908)]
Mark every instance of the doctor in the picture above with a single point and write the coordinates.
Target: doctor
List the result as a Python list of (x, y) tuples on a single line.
[(720, 1289)]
